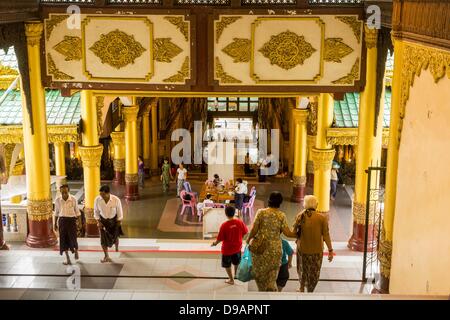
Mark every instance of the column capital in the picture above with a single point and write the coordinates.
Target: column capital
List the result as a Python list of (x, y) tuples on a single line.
[(118, 137), (33, 31), (91, 156), (371, 36), (300, 115), (58, 143), (322, 158), (130, 113)]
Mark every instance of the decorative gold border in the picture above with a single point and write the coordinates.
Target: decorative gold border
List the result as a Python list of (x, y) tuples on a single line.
[(56, 133), (257, 21), (146, 20)]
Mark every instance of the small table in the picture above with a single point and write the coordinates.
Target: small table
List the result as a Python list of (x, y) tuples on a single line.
[(216, 195)]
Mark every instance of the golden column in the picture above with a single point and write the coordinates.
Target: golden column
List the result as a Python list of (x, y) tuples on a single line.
[(131, 156), (323, 153), (312, 132), (91, 154), (118, 138), (369, 146), (39, 207), (385, 247), (155, 146), (139, 135), (300, 117), (146, 138)]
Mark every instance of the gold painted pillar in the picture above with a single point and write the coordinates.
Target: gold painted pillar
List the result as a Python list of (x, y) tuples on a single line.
[(139, 136), (369, 147), (91, 154), (385, 247), (60, 158), (300, 117), (118, 139), (131, 156), (39, 207), (323, 153), (146, 139), (155, 146)]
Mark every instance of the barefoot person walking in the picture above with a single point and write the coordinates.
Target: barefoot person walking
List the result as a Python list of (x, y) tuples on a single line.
[(66, 215), (108, 213)]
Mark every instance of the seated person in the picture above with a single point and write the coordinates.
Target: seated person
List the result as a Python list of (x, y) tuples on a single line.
[(217, 181), (201, 205)]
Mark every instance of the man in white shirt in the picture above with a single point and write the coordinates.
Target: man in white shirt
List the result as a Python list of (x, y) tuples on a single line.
[(109, 215), (66, 216), (182, 176)]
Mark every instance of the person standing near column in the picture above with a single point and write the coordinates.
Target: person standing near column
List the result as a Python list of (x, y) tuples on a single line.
[(182, 176), (141, 172), (334, 180), (66, 215), (166, 175), (109, 215)]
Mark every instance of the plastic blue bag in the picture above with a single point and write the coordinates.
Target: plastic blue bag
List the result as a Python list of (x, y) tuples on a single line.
[(244, 270)]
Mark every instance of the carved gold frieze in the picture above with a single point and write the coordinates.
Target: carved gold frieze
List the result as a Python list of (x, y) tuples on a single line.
[(119, 165), (415, 59), (70, 48), (33, 31), (370, 36), (354, 24), (91, 156), (335, 50), (351, 76), (130, 113), (39, 210), (299, 181), (287, 50), (312, 118), (222, 24), (385, 254), (117, 48), (349, 136), (51, 23), (240, 50), (182, 74), (131, 178), (359, 213), (181, 25), (63, 133), (322, 158), (165, 50), (99, 104), (222, 75), (7, 71), (54, 71)]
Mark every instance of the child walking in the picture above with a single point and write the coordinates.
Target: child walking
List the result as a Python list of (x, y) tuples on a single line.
[(230, 234)]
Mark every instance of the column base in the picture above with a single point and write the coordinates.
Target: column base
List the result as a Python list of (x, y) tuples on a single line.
[(131, 187), (40, 224), (91, 224), (4, 246), (298, 193), (356, 242), (119, 178), (382, 286)]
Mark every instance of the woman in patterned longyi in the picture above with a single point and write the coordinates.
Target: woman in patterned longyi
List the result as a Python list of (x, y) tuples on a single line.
[(269, 223)]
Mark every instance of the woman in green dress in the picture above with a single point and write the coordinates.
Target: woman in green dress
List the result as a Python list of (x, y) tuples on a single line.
[(166, 175), (269, 223)]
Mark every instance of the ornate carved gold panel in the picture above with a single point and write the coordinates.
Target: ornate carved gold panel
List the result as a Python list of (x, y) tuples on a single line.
[(296, 50), (146, 49)]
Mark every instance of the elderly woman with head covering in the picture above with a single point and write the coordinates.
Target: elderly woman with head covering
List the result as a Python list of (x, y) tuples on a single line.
[(268, 225), (312, 231)]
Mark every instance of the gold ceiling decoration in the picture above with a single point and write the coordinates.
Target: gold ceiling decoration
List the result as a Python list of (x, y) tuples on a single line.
[(8, 71), (287, 50), (222, 24), (415, 59), (222, 75), (181, 75), (54, 71), (182, 25), (351, 77), (335, 50), (51, 23), (117, 49), (70, 48), (165, 50), (353, 23), (240, 50)]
